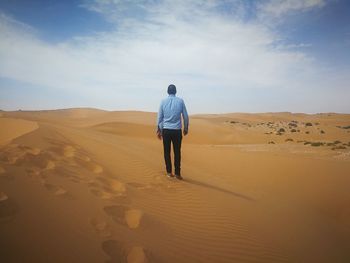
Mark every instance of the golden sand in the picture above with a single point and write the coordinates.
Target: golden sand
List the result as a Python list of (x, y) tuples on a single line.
[(86, 185)]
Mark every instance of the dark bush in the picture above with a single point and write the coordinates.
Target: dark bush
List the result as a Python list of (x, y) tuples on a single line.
[(339, 147), (308, 124), (317, 144), (343, 127)]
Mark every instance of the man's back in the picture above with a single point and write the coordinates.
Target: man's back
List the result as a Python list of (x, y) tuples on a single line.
[(170, 110)]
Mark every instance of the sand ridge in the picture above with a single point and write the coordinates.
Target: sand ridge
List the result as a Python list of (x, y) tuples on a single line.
[(13, 128)]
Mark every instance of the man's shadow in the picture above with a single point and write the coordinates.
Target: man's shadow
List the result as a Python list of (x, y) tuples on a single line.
[(208, 186)]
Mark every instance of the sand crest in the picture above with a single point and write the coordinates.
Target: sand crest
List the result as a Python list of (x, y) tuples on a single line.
[(13, 128)]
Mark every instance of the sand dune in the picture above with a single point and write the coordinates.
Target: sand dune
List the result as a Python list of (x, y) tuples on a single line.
[(13, 128), (86, 185)]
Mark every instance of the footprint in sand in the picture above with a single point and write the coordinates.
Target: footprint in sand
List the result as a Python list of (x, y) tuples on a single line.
[(12, 159), (77, 178), (133, 218), (118, 253), (101, 227), (102, 194), (3, 196), (30, 150), (82, 158), (107, 188), (91, 166), (140, 186), (161, 182), (33, 151), (137, 255), (8, 208), (116, 212), (122, 214), (86, 158), (69, 151), (114, 250), (93, 183), (33, 172), (13, 153), (6, 174), (57, 190), (34, 158), (50, 165), (117, 187), (95, 168)]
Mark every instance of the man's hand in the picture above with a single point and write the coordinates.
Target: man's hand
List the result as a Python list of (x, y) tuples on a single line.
[(159, 134), (185, 132)]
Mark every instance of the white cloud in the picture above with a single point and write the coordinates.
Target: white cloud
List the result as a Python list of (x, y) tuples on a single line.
[(278, 8), (166, 44), (218, 51)]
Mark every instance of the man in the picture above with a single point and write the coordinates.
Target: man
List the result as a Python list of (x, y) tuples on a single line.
[(169, 127)]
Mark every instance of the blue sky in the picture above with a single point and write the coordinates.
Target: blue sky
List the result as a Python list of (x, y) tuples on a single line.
[(224, 56)]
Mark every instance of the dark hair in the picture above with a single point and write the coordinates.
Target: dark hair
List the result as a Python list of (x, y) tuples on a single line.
[(171, 89)]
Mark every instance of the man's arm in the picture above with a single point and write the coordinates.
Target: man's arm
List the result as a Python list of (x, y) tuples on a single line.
[(185, 117), (160, 121)]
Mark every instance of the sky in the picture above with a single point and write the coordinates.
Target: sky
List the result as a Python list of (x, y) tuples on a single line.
[(223, 55)]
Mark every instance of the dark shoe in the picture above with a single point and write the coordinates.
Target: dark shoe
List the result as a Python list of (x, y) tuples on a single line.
[(170, 175), (178, 177)]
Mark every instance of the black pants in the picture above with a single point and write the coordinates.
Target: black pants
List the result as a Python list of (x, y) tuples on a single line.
[(175, 137)]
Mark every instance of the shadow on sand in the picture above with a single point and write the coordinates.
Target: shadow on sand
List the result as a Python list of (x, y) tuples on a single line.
[(204, 185)]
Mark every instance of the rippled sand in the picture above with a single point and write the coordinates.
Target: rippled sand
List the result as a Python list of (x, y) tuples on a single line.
[(85, 185)]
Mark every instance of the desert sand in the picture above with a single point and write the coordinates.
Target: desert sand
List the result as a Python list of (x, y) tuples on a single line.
[(87, 185)]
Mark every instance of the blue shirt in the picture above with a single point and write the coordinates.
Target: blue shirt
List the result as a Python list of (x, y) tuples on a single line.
[(169, 114)]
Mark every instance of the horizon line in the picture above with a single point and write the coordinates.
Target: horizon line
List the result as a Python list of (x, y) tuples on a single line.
[(146, 111)]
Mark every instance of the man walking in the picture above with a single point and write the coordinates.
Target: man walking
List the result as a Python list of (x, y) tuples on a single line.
[(169, 127)]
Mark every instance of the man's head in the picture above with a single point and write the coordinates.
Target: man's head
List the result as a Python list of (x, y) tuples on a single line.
[(171, 89)]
